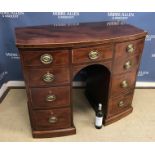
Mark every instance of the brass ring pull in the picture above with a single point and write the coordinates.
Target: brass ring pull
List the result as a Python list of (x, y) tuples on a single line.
[(93, 55), (52, 119), (48, 77), (124, 84), (127, 65), (46, 58), (121, 104), (50, 98), (130, 48)]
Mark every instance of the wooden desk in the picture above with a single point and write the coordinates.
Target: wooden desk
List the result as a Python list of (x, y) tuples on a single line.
[(52, 56)]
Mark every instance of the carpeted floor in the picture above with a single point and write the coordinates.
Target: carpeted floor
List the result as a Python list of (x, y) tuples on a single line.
[(138, 126)]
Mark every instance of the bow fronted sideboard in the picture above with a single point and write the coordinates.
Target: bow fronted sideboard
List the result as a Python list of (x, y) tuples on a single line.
[(51, 57)]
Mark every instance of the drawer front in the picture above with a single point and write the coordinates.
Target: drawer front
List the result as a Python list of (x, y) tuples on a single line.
[(129, 48), (91, 54), (48, 77), (45, 58), (52, 119), (123, 83), (50, 97), (117, 105), (122, 65)]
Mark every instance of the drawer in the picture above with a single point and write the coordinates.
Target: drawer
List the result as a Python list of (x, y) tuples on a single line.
[(50, 97), (120, 104), (52, 119), (48, 76), (123, 83), (122, 65), (126, 49), (91, 54), (45, 57)]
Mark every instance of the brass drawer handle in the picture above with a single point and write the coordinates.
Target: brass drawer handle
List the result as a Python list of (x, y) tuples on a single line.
[(121, 104), (48, 77), (130, 48), (46, 58), (50, 98), (127, 65), (52, 119), (124, 84), (93, 55)]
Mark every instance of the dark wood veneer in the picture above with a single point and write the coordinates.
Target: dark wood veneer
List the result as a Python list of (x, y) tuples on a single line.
[(42, 117), (81, 55), (102, 50), (62, 95), (119, 66), (68, 36), (35, 76), (121, 50), (120, 104), (32, 57), (116, 88)]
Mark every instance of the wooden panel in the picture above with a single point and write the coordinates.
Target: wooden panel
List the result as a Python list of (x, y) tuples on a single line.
[(61, 94), (32, 57), (116, 88), (119, 104), (54, 133), (121, 64), (41, 119), (121, 48), (117, 117), (35, 76), (81, 55), (68, 36)]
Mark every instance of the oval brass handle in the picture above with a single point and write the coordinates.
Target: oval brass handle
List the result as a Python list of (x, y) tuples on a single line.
[(52, 119), (121, 104), (46, 58), (50, 98), (93, 55), (124, 84), (48, 77), (130, 48), (127, 65)]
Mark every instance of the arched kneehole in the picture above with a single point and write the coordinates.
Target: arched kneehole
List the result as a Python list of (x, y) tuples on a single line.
[(97, 79)]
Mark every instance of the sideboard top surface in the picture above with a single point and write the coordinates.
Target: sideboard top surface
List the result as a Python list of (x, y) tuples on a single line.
[(68, 36)]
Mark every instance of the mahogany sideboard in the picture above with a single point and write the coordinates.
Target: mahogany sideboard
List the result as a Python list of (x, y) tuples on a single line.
[(52, 56)]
